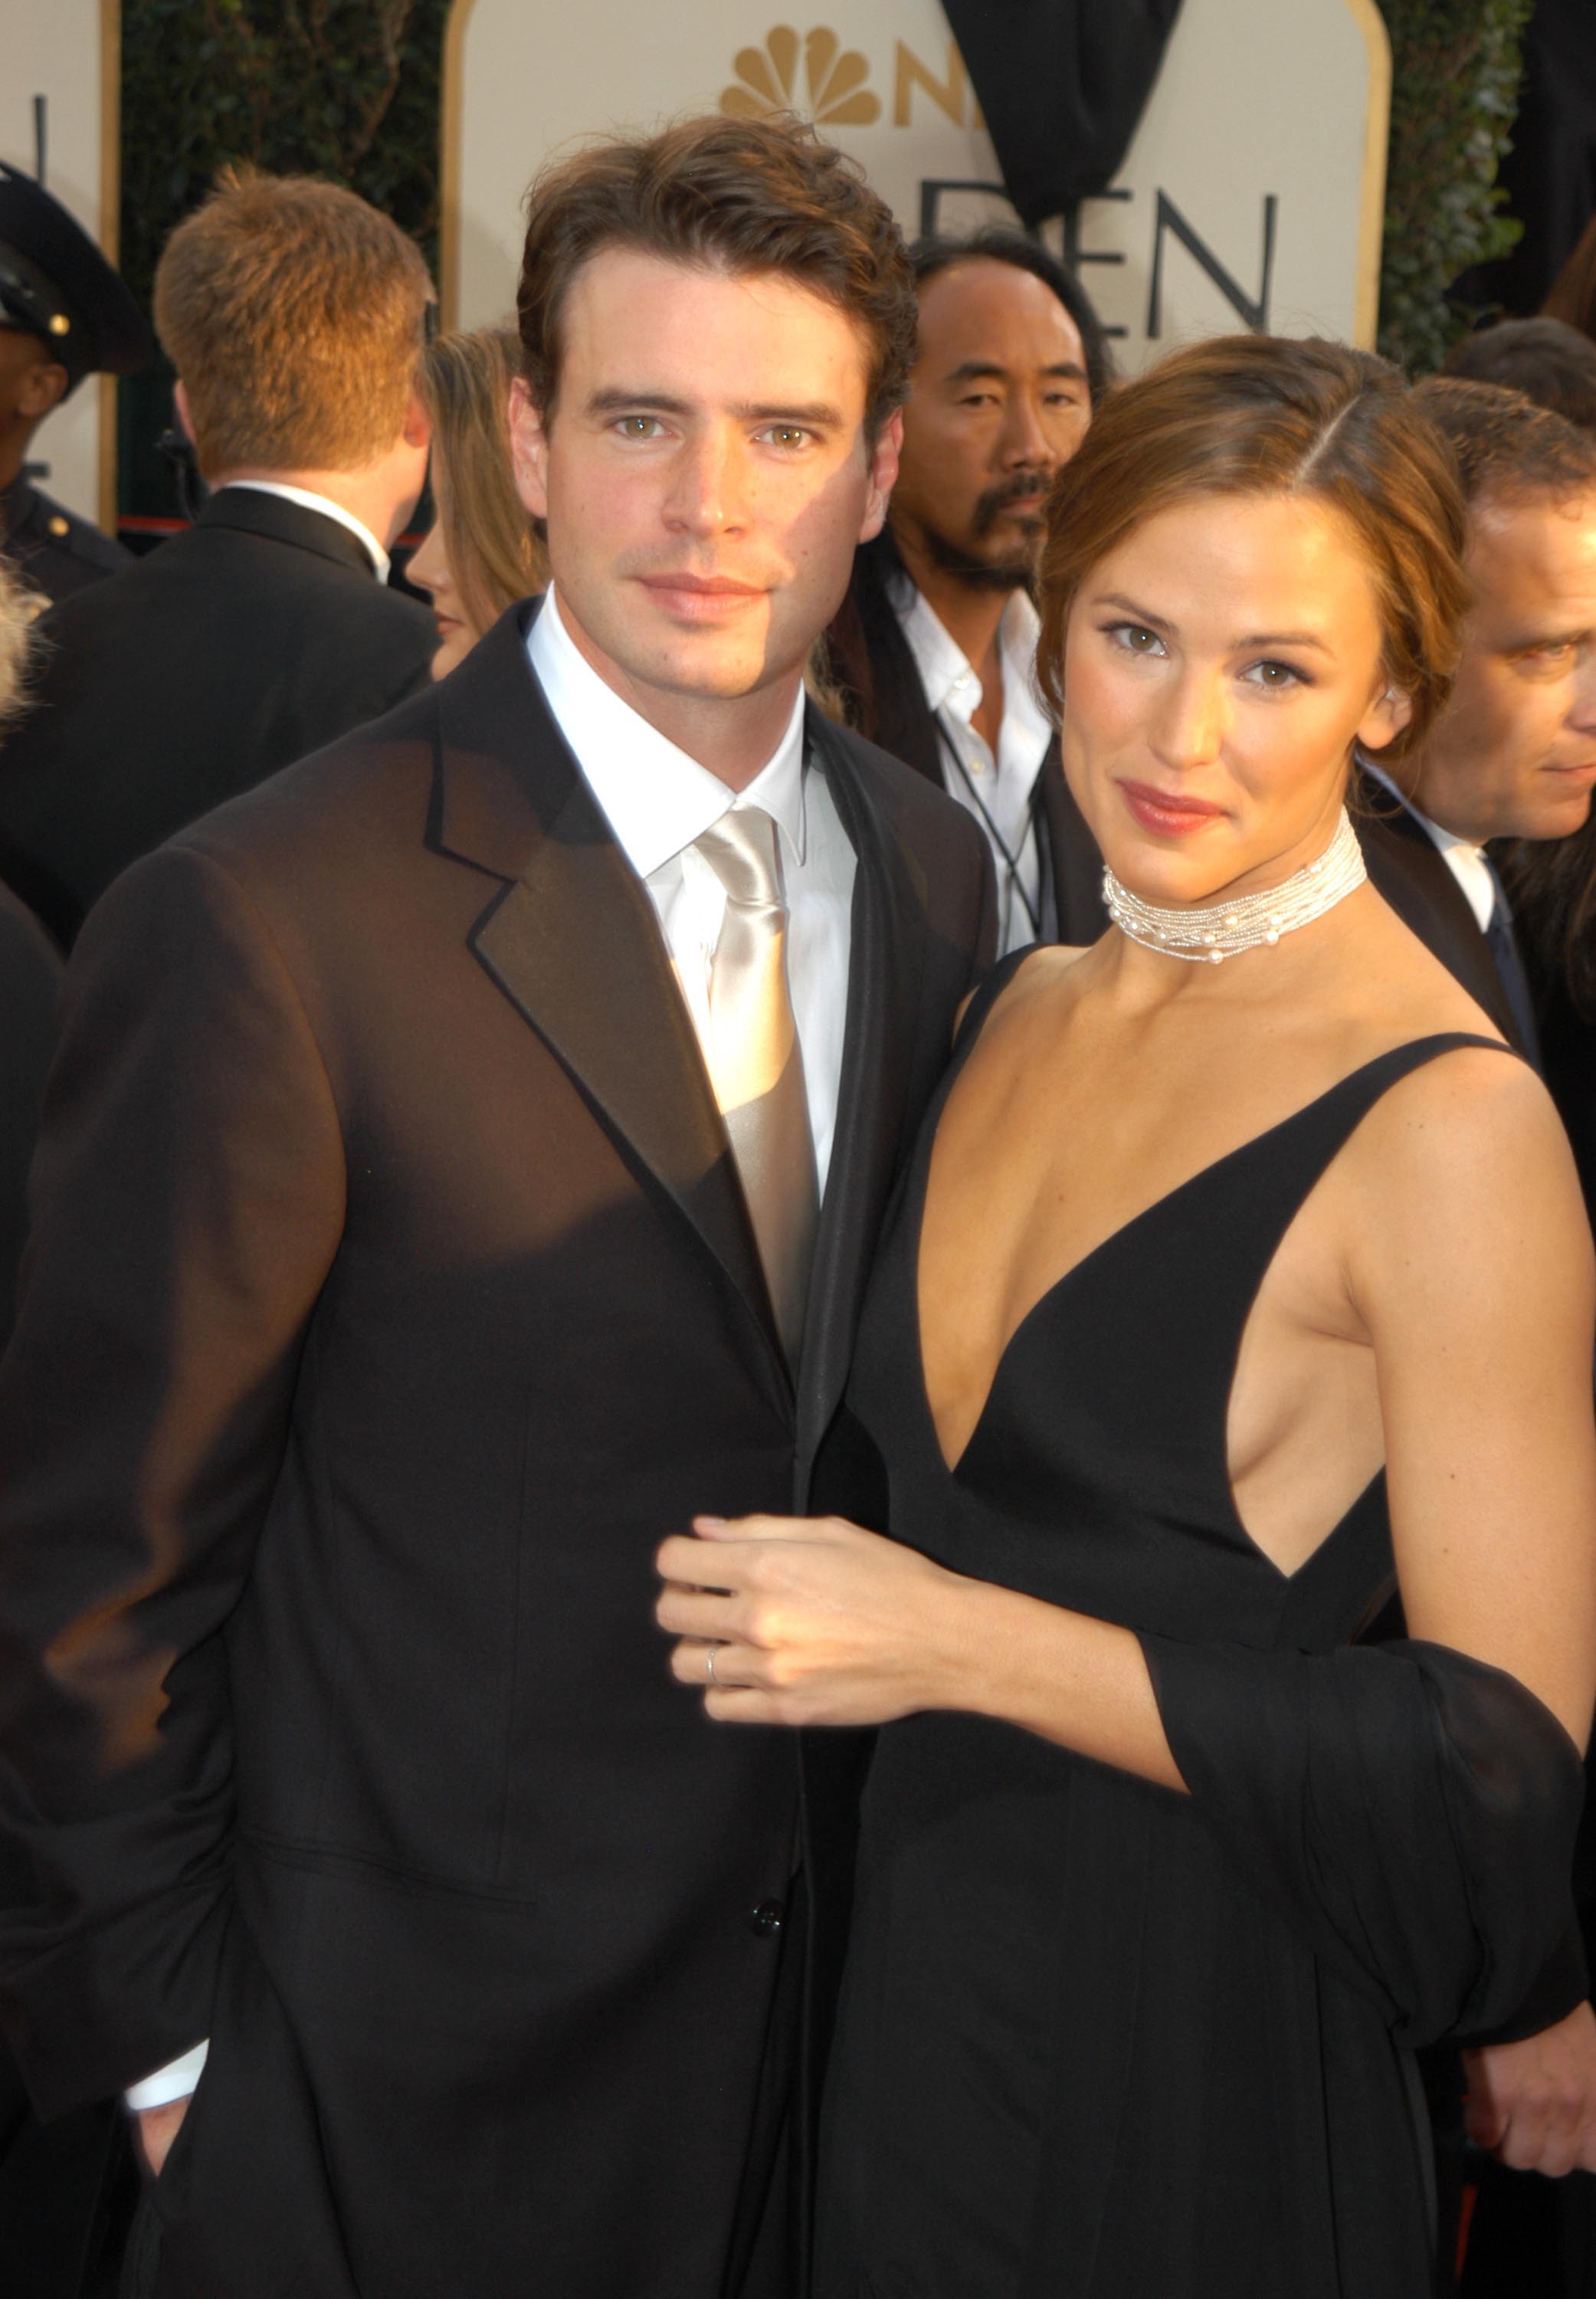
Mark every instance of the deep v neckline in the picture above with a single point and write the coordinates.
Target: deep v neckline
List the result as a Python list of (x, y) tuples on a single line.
[(1127, 1228)]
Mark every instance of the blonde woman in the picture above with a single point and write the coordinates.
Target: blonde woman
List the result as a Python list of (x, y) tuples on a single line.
[(482, 552)]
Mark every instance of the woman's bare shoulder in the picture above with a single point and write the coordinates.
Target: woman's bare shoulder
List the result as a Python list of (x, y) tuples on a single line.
[(1468, 1147), (1037, 971)]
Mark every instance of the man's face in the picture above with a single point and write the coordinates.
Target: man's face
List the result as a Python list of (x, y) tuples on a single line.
[(32, 382), (1513, 753), (704, 474), (1000, 401)]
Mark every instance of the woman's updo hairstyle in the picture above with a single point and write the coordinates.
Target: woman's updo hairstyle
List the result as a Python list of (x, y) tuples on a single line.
[(1256, 415)]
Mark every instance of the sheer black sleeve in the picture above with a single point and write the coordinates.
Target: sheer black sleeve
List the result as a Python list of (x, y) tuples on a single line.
[(1411, 1810)]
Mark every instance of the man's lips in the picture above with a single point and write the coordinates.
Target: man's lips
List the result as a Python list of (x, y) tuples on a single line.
[(707, 587), (701, 598), (1172, 812)]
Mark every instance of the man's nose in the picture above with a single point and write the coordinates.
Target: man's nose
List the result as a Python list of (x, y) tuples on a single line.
[(1582, 705), (1025, 444), (707, 494)]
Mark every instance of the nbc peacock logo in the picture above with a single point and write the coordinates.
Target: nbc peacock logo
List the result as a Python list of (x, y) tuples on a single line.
[(834, 92)]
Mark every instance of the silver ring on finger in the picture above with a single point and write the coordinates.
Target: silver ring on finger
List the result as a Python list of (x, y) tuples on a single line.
[(709, 1667)]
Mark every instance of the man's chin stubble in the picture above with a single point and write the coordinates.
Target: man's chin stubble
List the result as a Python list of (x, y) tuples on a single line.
[(1013, 574)]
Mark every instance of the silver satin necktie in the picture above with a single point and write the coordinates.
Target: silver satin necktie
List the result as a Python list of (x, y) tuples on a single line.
[(757, 1064)]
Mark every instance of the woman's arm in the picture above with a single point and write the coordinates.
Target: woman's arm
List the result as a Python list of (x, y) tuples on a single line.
[(1471, 1267), (1469, 1262), (815, 1621)]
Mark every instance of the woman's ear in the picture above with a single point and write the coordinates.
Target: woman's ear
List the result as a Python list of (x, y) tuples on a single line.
[(1384, 719)]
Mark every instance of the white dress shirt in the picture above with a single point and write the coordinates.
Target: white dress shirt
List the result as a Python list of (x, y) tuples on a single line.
[(1465, 861), (658, 801), (998, 789), (309, 501)]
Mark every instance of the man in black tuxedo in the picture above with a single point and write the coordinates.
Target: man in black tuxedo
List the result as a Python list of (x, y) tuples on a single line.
[(1512, 756), (934, 646), (294, 315), (460, 1170)]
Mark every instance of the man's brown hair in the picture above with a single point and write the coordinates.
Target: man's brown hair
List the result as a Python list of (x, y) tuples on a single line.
[(1550, 362), (294, 314), (1506, 449), (1251, 415), (738, 195)]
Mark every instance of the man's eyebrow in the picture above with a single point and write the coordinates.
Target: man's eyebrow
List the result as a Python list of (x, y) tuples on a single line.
[(974, 370), (613, 401), (1153, 622), (1539, 642), (817, 414)]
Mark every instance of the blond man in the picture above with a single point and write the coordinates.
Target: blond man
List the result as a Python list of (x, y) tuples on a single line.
[(294, 315)]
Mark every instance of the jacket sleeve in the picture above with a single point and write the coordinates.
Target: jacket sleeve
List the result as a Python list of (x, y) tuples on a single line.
[(187, 1203), (1411, 1812)]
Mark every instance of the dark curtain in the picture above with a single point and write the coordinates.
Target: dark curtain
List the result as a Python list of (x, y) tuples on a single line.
[(1062, 83), (1550, 175)]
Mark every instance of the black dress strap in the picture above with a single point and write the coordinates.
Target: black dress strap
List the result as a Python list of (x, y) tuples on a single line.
[(985, 996)]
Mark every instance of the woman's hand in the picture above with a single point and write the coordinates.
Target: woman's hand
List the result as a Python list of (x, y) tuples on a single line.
[(810, 1621)]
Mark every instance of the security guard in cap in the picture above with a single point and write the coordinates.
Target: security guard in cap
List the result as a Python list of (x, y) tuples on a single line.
[(63, 314)]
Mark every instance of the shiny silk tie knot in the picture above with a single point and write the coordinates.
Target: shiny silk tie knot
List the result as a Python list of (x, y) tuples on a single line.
[(756, 1062)]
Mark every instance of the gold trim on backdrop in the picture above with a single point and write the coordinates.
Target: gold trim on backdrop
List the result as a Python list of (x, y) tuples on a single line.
[(111, 231), (1372, 226), (453, 105)]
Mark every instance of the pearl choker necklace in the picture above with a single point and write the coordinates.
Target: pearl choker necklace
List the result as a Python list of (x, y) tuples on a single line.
[(1208, 936)]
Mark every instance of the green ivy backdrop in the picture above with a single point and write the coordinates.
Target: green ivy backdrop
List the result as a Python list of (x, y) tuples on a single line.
[(346, 88), (1455, 68), (350, 88)]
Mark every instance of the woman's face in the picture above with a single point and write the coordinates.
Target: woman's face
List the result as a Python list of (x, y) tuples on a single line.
[(430, 572), (1218, 667)]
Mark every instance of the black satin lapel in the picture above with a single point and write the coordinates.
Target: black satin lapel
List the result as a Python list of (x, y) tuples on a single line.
[(575, 944), (888, 928)]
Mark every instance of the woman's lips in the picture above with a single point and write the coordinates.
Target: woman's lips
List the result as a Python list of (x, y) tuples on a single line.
[(1165, 812)]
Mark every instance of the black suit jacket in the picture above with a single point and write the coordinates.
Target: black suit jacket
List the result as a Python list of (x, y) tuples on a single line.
[(255, 636), (53, 550), (874, 670), (1407, 867), (391, 1296)]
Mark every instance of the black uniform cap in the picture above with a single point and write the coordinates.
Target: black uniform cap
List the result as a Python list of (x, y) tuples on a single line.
[(55, 283)]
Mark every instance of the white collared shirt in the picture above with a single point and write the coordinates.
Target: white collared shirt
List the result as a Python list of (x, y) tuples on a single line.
[(658, 801), (307, 500), (998, 792), (1467, 861)]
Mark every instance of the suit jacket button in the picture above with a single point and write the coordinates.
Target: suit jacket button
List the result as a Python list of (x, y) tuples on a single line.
[(766, 1918)]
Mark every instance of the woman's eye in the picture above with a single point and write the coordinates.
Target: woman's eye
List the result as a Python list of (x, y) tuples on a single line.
[(1135, 638), (1275, 676)]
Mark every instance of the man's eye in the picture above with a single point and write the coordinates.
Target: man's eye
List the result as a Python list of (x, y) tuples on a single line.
[(790, 435), (639, 426)]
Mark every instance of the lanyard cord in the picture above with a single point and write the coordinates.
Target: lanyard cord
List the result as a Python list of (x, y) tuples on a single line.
[(1013, 882)]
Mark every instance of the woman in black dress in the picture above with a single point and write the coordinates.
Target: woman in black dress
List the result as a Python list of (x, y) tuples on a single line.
[(1240, 1267)]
